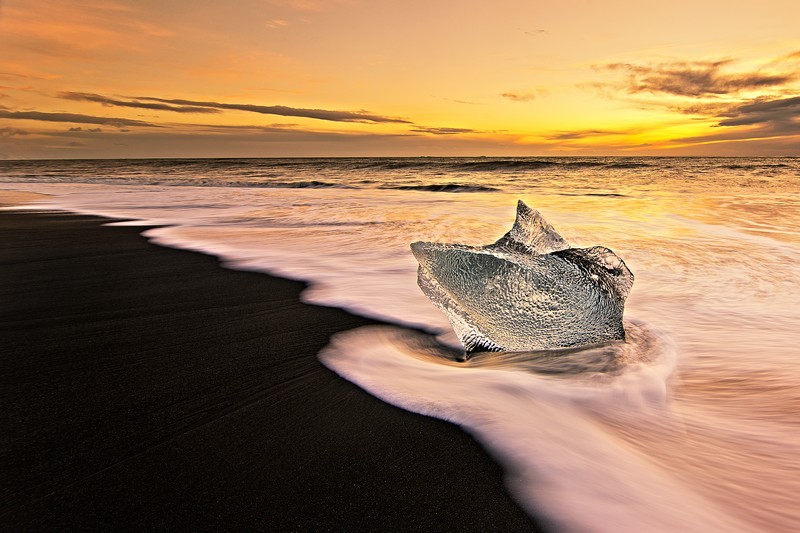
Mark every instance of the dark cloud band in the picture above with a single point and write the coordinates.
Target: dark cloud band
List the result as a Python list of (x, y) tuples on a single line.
[(285, 111), (73, 118), (194, 106), (113, 102), (781, 112)]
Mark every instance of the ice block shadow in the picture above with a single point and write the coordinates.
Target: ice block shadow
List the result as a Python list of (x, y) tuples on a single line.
[(527, 291)]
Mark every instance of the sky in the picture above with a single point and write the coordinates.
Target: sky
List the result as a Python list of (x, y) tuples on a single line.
[(294, 78)]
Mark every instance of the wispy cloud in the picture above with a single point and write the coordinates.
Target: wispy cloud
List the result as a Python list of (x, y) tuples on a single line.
[(691, 78), (736, 135), (276, 127), (702, 109), (465, 102), (89, 130), (519, 97), (443, 131), (73, 118), (195, 106), (114, 102), (583, 134), (285, 111), (275, 24), (310, 5)]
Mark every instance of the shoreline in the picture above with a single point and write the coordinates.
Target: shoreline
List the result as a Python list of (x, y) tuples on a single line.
[(152, 388)]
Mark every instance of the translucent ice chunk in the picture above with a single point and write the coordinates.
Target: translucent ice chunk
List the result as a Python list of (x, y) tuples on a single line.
[(527, 291)]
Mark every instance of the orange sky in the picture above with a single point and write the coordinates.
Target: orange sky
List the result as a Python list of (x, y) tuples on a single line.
[(204, 78)]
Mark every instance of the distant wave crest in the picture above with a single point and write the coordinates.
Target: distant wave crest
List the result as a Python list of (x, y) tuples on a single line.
[(628, 165), (506, 164), (313, 184), (444, 187)]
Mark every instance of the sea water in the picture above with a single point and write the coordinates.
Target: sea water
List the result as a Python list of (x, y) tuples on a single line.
[(693, 424)]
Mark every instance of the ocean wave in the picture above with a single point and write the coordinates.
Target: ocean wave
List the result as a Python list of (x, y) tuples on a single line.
[(445, 187), (395, 164), (587, 164), (505, 164), (481, 165), (756, 166), (534, 164), (313, 184), (193, 182), (601, 194), (630, 164)]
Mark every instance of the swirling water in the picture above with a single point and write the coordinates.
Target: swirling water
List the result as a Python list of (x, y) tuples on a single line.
[(690, 426)]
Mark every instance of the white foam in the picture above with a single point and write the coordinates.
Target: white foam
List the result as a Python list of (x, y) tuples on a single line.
[(562, 461)]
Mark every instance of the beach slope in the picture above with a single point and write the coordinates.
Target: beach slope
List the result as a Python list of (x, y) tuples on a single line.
[(150, 388)]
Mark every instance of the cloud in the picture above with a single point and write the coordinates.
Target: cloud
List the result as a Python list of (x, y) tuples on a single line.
[(276, 24), (310, 5), (465, 102), (112, 102), (12, 132), (519, 97), (777, 119), (443, 131), (779, 111), (766, 132), (703, 109), (194, 106), (260, 127), (693, 78), (776, 112), (790, 61), (285, 111), (90, 130), (583, 134), (73, 118)]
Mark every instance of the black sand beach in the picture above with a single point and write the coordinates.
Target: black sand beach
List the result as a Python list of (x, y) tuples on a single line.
[(146, 388)]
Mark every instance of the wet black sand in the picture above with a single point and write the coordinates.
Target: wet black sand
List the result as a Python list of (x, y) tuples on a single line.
[(145, 388)]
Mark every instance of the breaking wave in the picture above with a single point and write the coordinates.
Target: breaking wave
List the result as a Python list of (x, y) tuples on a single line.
[(552, 417), (444, 187), (313, 184), (628, 165)]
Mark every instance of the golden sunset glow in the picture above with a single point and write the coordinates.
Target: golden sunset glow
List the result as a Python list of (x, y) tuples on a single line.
[(201, 78)]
